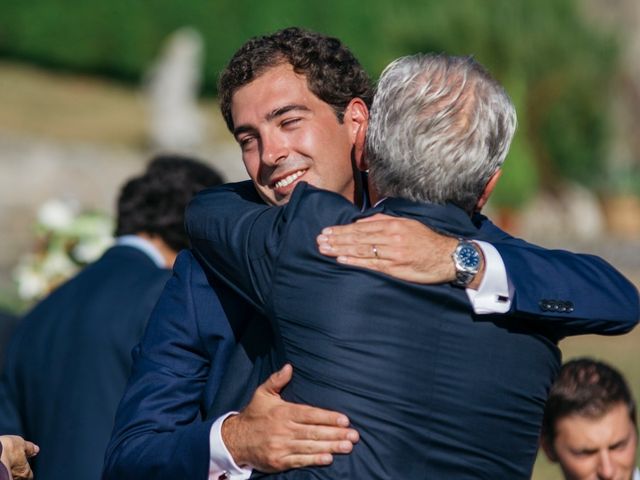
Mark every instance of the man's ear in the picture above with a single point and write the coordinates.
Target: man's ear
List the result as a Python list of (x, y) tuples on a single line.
[(357, 116), (488, 189)]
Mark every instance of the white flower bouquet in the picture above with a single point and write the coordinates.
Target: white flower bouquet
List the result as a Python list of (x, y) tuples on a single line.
[(67, 240)]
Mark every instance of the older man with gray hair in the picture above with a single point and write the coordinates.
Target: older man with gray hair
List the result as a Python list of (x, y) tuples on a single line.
[(434, 390), (439, 131)]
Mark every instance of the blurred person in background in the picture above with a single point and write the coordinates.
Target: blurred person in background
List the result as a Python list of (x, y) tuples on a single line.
[(8, 323), (590, 425), (68, 361)]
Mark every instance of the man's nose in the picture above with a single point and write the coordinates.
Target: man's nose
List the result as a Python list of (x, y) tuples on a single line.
[(274, 149), (606, 469)]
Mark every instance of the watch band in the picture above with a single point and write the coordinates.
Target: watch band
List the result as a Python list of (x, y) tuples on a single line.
[(466, 259)]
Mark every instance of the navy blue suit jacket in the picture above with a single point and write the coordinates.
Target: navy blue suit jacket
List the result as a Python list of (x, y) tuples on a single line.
[(8, 324), (69, 360), (435, 391), (199, 359), (195, 332)]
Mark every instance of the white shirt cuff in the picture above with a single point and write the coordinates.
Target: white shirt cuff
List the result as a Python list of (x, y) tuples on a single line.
[(221, 463), (496, 291)]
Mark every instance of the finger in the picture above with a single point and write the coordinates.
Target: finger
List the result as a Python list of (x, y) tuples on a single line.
[(360, 251), (306, 415), (378, 217), (391, 225), (305, 454), (31, 449), (310, 447), (278, 380), (22, 471), (353, 228), (377, 264), (368, 240), (320, 433)]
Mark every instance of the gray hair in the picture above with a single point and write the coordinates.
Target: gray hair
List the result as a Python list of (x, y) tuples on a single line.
[(440, 127)]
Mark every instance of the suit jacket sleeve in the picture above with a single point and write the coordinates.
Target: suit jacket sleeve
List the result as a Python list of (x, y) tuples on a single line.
[(602, 300), (159, 430), (10, 398), (240, 239), (236, 237)]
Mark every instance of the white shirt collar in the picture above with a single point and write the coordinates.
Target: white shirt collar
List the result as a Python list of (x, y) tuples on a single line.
[(380, 201), (144, 246)]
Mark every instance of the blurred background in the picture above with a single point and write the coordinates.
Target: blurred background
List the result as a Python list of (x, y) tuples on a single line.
[(90, 90)]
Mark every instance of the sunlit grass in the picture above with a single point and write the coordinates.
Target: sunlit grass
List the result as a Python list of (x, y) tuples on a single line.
[(80, 108)]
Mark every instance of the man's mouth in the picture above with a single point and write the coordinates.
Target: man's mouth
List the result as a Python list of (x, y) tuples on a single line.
[(289, 179)]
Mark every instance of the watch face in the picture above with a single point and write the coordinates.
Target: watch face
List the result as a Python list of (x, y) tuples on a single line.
[(469, 257)]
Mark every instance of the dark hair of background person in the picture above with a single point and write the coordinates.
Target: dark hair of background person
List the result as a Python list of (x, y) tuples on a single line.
[(154, 202), (588, 388), (333, 73)]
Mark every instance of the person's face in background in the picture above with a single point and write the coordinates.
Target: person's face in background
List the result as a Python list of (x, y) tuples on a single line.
[(287, 134), (596, 449)]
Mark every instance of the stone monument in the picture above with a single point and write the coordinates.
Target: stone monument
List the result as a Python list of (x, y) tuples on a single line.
[(172, 87)]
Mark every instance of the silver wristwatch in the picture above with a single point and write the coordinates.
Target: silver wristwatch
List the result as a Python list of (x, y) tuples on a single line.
[(466, 258)]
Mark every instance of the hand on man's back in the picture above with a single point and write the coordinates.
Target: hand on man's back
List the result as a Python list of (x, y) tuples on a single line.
[(400, 247), (272, 435)]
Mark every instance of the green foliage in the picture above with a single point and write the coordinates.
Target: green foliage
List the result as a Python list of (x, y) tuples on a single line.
[(121, 37), (519, 180), (624, 180), (562, 66)]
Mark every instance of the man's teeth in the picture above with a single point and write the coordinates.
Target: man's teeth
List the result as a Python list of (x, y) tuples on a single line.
[(289, 179)]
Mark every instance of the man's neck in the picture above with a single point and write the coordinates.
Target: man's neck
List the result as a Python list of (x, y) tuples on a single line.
[(168, 254), (374, 196)]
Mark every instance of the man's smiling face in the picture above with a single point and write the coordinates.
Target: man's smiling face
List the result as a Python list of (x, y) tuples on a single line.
[(287, 134)]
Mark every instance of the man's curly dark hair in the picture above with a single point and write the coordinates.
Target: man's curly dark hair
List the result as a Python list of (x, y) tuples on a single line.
[(154, 202), (333, 73)]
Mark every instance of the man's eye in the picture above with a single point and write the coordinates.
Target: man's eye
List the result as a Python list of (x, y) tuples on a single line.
[(620, 445), (585, 453), (246, 142), (290, 122)]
